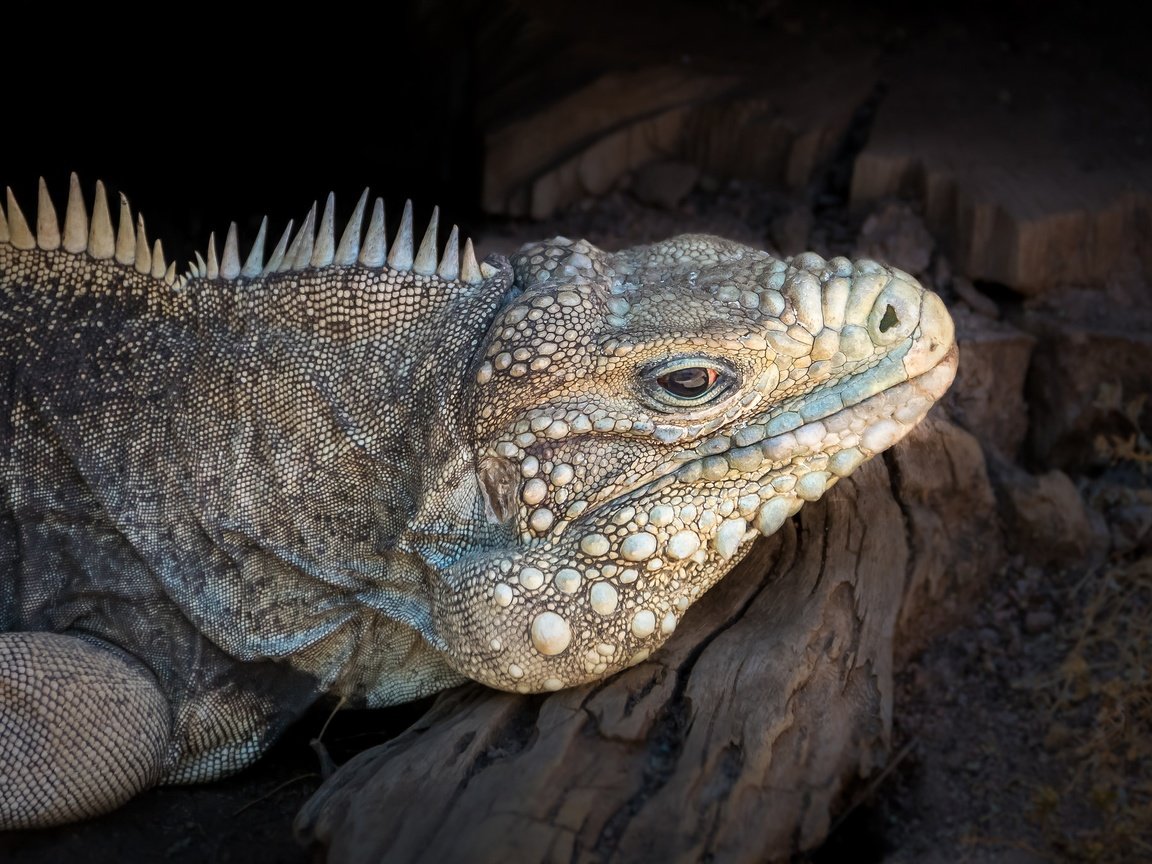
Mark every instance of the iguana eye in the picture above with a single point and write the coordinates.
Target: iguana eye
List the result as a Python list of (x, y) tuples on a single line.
[(689, 382)]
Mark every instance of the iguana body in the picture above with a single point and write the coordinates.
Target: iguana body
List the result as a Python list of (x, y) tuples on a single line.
[(229, 494)]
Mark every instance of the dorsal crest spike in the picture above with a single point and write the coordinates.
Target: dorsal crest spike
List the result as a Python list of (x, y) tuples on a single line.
[(230, 262), (75, 218), (325, 250), (425, 263), (125, 234), (400, 258), (47, 226), (450, 264), (255, 262), (276, 263), (300, 251), (101, 240), (158, 265), (312, 246), (213, 271), (374, 252), (19, 235), (469, 269), (349, 247), (143, 260)]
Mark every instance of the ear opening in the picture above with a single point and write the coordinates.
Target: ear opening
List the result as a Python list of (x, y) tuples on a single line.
[(499, 480)]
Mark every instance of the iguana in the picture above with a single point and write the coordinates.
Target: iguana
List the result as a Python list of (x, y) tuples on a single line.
[(370, 472)]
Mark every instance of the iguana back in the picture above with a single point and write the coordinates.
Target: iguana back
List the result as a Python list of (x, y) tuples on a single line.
[(220, 474)]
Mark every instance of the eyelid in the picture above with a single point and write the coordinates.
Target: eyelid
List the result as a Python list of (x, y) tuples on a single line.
[(675, 364)]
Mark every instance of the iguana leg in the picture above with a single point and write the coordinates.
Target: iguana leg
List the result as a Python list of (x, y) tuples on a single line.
[(82, 729)]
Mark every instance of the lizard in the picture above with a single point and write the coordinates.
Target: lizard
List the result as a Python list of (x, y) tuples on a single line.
[(370, 471)]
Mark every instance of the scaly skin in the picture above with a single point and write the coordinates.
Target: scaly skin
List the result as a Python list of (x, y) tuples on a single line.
[(231, 493)]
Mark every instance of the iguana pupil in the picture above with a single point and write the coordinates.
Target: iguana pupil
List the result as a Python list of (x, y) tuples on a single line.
[(690, 383)]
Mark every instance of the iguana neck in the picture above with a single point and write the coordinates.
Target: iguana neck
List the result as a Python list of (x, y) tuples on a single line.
[(320, 393)]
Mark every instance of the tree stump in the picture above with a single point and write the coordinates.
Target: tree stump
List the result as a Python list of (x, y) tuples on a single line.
[(582, 103), (1031, 166), (1028, 154), (741, 740)]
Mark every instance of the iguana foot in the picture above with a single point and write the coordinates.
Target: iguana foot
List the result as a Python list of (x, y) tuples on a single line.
[(82, 729)]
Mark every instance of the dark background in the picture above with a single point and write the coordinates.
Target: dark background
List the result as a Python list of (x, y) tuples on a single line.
[(205, 118)]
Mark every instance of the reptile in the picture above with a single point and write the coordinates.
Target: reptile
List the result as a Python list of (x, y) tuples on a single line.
[(368, 471)]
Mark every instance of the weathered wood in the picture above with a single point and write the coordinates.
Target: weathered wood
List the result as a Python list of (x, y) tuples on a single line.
[(1030, 172), (583, 102), (1028, 175), (941, 482), (738, 741), (582, 143)]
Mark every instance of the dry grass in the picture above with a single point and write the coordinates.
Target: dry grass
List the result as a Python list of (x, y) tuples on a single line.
[(1099, 709), (1132, 445)]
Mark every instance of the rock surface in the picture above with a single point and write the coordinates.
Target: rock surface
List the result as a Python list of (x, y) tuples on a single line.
[(987, 397), (1049, 522), (1090, 377)]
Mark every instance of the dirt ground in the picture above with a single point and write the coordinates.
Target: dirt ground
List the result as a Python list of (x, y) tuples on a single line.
[(1026, 735)]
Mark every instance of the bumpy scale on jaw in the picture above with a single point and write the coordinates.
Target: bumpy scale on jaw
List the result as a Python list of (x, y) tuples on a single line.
[(628, 502)]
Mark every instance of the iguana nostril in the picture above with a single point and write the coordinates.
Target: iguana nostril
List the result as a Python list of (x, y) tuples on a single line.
[(896, 311), (890, 319)]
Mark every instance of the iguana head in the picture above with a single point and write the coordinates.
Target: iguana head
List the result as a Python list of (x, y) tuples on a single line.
[(643, 416)]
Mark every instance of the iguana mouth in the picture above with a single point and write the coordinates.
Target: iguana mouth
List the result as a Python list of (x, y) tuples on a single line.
[(795, 449)]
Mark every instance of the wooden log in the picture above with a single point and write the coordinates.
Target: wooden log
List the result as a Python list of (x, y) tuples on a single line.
[(581, 102), (739, 741), (1032, 167), (583, 143), (1031, 173)]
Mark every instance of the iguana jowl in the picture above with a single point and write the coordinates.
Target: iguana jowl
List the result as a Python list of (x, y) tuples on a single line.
[(374, 473)]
